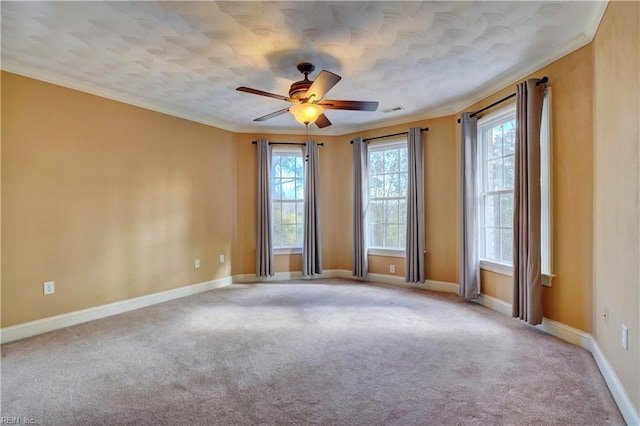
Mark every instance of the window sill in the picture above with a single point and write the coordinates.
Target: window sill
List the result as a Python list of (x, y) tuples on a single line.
[(385, 252), (504, 269), (287, 250), (498, 268)]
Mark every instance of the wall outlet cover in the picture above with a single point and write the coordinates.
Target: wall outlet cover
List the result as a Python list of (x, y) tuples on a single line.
[(49, 287)]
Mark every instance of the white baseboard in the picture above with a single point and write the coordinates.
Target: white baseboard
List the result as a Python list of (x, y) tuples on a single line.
[(554, 328), (566, 333), (626, 407), (285, 276), (441, 286), (585, 341), (28, 329), (495, 304)]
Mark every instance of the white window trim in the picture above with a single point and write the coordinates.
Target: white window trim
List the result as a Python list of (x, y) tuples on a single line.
[(278, 251), (498, 268), (487, 121), (546, 178), (546, 192), (287, 250), (386, 252)]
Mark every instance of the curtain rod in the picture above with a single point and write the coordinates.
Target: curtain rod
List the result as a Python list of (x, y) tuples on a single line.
[(287, 143), (424, 129), (543, 80)]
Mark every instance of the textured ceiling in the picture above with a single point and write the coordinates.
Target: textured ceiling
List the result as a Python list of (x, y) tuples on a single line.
[(187, 58)]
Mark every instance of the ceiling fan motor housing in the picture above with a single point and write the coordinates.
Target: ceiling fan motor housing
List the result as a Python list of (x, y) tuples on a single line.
[(299, 88)]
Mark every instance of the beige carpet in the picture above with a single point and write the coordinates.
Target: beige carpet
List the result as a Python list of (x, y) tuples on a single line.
[(330, 352)]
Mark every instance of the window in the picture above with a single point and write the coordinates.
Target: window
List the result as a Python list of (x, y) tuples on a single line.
[(496, 136), (288, 197), (387, 208), (546, 230)]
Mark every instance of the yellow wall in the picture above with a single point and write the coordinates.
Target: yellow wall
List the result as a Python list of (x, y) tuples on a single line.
[(334, 170), (108, 200), (616, 210), (113, 202), (440, 192), (569, 300)]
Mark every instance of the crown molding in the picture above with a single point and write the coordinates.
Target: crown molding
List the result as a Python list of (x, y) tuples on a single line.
[(452, 108), (47, 77)]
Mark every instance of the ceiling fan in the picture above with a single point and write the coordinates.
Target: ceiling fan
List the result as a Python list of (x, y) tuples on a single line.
[(307, 97)]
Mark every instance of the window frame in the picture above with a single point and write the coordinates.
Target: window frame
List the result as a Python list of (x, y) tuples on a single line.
[(546, 191), (504, 114), (378, 250), (286, 151)]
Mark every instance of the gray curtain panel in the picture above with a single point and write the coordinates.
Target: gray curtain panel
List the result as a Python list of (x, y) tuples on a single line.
[(527, 290), (264, 251), (414, 252), (469, 272), (312, 247), (360, 172)]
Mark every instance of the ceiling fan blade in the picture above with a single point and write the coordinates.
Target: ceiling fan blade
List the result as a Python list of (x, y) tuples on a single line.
[(263, 93), (322, 121), (321, 85), (272, 115), (349, 105)]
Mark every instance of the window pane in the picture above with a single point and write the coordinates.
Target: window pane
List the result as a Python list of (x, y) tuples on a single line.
[(376, 164), (509, 172), (299, 190), (275, 166), (376, 186), (402, 229), (376, 212), (299, 234), (386, 212), (391, 211), (494, 142), (288, 166), (506, 210), (277, 189), (287, 185), (492, 210), (394, 185), (402, 211), (492, 244), (391, 164), (288, 189), (494, 175), (403, 185), (392, 236), (289, 238), (506, 243), (377, 235), (277, 235), (300, 212), (288, 213), (404, 161), (509, 141)]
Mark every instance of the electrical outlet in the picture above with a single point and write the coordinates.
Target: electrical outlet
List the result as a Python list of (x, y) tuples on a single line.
[(197, 263), (49, 287), (625, 337), (222, 258), (392, 268)]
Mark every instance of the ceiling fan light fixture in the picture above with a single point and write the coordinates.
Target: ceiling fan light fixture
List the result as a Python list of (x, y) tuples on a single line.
[(306, 113)]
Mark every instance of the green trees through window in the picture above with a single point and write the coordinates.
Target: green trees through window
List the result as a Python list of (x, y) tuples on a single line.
[(288, 198), (387, 209)]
